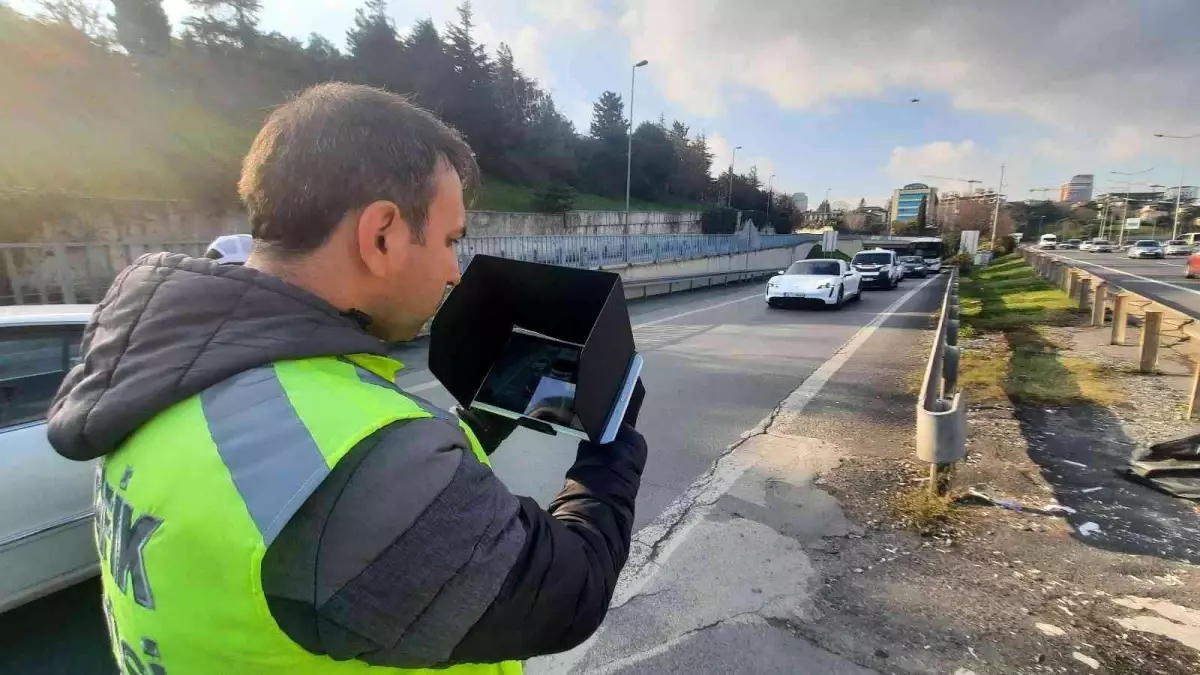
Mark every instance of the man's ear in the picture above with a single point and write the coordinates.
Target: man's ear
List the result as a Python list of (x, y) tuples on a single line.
[(381, 234)]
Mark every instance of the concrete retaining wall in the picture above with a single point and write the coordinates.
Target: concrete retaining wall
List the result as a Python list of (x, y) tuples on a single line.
[(736, 266)]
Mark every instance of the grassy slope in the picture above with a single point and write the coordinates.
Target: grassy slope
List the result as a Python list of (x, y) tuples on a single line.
[(495, 195), (1009, 298)]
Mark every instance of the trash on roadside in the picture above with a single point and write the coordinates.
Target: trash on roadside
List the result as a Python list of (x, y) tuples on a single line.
[(1050, 629), (1088, 529), (1086, 660), (1172, 467), (974, 496)]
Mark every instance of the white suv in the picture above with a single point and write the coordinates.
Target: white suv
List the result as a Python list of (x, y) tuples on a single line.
[(878, 267)]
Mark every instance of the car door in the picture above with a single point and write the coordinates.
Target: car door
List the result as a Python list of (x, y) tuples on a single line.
[(851, 280), (45, 500)]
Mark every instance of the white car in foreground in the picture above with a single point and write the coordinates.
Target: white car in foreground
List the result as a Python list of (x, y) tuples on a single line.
[(45, 500), (827, 282)]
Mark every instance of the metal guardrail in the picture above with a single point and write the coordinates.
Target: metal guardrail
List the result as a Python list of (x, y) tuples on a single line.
[(52, 273), (941, 410), (663, 281)]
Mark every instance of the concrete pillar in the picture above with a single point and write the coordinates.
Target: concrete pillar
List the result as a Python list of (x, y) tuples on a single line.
[(1120, 318), (1085, 292), (1151, 329), (1098, 303), (1195, 392), (1071, 283)]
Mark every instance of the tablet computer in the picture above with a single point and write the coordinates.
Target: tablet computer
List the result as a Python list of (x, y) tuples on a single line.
[(535, 378)]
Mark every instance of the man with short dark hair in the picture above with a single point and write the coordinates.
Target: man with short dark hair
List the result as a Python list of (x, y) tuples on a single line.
[(269, 501)]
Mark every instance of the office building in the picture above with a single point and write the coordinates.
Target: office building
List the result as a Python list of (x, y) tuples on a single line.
[(800, 200), (906, 203), (1078, 189), (1190, 192)]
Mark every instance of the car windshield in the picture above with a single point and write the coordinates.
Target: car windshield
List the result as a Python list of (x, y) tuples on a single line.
[(872, 258), (1074, 241), (825, 268), (915, 259), (1146, 243)]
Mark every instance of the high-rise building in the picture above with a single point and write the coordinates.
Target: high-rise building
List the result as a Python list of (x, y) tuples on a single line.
[(801, 201), (1078, 189), (906, 203)]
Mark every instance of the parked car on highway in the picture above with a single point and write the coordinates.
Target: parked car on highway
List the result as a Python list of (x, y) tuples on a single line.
[(1048, 241), (1146, 248), (827, 282), (913, 266), (1070, 244), (1177, 247), (45, 500), (878, 267), (1100, 246)]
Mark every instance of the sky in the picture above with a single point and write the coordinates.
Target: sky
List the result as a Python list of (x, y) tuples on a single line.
[(819, 94)]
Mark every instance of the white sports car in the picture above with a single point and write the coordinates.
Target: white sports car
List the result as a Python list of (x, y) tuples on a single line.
[(826, 282), (45, 500)]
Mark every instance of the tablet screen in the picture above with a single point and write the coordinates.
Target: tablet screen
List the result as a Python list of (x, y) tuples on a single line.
[(535, 376)]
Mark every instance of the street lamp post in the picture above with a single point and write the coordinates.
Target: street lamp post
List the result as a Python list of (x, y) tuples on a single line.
[(1179, 190), (770, 196), (629, 151), (732, 163), (1125, 202), (996, 210)]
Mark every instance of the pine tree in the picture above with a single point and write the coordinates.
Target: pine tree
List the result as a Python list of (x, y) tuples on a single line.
[(225, 23), (427, 66), (142, 26), (376, 55), (608, 118)]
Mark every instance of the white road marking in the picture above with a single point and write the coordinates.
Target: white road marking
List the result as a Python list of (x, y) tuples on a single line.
[(672, 527), (1131, 274), (434, 383)]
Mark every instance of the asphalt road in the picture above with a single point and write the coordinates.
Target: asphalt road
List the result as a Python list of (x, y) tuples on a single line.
[(1160, 280), (717, 361)]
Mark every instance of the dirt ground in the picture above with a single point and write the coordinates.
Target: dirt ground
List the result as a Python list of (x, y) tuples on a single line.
[(1110, 584)]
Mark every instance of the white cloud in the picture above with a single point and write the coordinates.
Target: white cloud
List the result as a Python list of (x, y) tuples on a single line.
[(571, 14), (1115, 72)]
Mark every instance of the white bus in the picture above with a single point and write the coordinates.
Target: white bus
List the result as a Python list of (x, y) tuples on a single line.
[(1048, 241)]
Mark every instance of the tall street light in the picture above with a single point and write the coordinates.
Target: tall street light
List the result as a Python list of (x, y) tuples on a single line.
[(1179, 190), (770, 196), (996, 210), (1125, 205), (629, 153), (732, 162)]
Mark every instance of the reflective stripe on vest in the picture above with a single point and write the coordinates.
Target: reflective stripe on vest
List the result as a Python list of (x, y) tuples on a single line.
[(187, 506)]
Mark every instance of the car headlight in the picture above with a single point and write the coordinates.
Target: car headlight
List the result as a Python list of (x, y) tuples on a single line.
[(772, 284), (824, 285)]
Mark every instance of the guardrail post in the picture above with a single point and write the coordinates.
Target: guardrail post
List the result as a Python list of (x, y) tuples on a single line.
[(1120, 318), (1069, 283), (1151, 329), (1098, 304), (1191, 410), (1085, 291)]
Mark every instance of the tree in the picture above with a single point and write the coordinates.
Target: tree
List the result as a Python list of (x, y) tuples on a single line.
[(142, 27), (554, 198), (427, 66), (922, 214), (604, 169), (375, 52), (862, 204), (608, 118), (82, 15), (225, 23)]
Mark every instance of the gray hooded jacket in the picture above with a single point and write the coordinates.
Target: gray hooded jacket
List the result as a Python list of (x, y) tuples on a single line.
[(411, 553)]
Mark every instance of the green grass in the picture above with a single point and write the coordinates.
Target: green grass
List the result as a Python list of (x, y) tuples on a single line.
[(1010, 298), (496, 195)]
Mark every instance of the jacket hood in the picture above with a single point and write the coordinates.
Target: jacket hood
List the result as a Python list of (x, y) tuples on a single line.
[(172, 326)]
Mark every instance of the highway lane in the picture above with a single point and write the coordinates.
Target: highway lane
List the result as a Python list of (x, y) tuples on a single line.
[(1161, 280), (717, 362)]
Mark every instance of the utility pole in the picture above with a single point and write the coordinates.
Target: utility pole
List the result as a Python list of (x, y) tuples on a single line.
[(629, 135), (1178, 193), (996, 211), (770, 196), (732, 162)]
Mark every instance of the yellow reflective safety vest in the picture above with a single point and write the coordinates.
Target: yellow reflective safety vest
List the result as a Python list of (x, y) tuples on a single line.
[(187, 506)]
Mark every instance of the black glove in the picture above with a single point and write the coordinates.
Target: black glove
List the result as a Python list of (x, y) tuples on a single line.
[(491, 429)]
